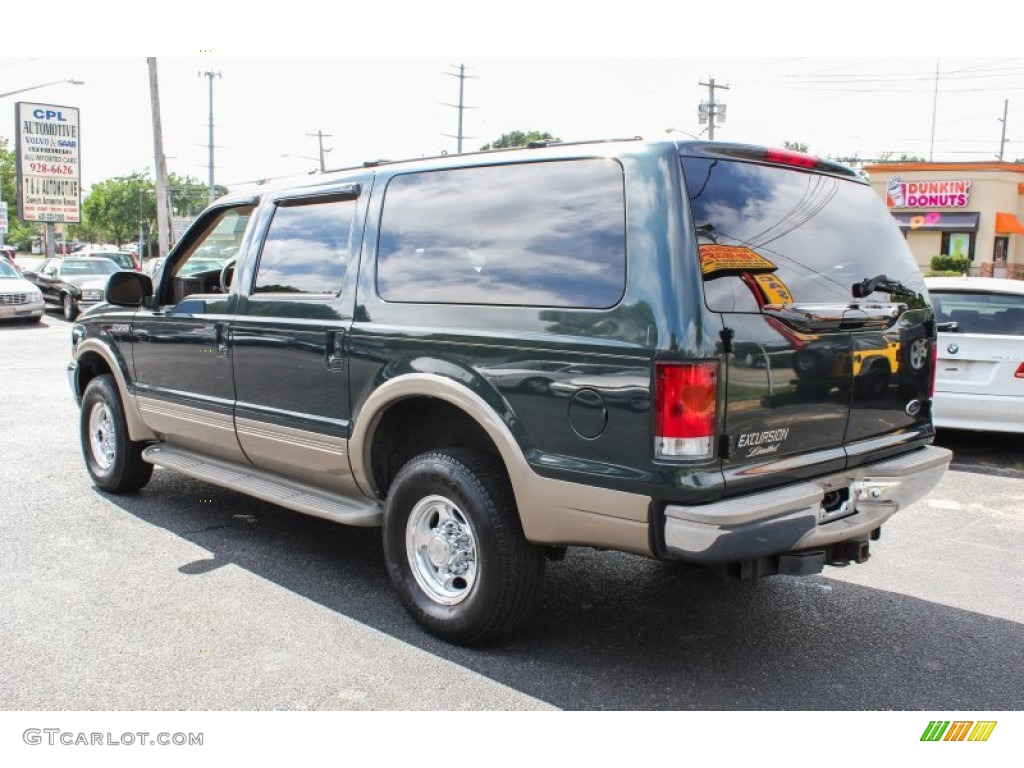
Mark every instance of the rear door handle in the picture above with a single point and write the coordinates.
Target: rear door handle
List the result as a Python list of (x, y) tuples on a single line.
[(335, 350)]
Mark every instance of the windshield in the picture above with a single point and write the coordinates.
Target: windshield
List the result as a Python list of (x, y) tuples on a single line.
[(6, 270), (120, 258), (773, 235), (89, 266)]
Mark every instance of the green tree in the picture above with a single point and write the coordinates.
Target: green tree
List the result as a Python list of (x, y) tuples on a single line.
[(189, 195), (887, 157), (518, 139), (116, 208), (19, 233)]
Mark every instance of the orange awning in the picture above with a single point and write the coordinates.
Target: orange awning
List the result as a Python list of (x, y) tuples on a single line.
[(1007, 224)]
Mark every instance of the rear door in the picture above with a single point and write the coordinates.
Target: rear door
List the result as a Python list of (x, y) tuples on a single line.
[(289, 339), (817, 378)]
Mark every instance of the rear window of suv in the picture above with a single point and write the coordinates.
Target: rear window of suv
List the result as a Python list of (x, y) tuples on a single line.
[(803, 237), (549, 234)]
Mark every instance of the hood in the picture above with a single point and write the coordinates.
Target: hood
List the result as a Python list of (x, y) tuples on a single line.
[(88, 281), (16, 285)]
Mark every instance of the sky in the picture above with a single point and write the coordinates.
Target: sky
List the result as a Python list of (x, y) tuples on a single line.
[(276, 87)]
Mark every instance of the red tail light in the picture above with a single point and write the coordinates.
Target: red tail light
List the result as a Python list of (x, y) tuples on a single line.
[(685, 407), (789, 157), (935, 370), (1020, 372)]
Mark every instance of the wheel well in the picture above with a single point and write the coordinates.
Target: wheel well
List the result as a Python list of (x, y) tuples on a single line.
[(90, 365), (415, 425)]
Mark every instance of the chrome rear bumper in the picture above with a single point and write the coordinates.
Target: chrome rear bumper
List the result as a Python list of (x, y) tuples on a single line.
[(813, 513)]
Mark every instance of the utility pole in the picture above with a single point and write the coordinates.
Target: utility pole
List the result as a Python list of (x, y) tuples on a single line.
[(211, 75), (711, 110), (163, 207), (935, 110), (1002, 141), (461, 105), (320, 135)]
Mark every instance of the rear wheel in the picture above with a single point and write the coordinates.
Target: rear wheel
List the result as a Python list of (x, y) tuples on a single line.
[(455, 548), (113, 460)]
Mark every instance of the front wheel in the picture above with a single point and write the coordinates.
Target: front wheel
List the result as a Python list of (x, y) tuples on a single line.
[(455, 548), (68, 306), (113, 460)]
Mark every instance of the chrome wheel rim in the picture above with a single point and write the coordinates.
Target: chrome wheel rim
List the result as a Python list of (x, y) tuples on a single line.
[(102, 442), (441, 547)]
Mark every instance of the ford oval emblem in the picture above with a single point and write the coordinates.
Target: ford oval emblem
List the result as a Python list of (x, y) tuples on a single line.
[(913, 408), (952, 349)]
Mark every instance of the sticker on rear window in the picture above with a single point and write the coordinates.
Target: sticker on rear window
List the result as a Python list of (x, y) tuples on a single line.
[(720, 260), (773, 289)]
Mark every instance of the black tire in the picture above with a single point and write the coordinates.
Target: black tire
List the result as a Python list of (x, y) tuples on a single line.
[(113, 460), (68, 307), (463, 502)]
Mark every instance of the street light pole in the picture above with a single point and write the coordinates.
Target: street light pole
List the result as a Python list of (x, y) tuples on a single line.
[(307, 157), (42, 85)]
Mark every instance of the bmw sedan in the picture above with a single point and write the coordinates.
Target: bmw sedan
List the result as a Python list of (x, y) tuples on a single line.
[(979, 381)]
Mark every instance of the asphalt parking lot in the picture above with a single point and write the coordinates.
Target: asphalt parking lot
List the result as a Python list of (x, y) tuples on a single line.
[(186, 596)]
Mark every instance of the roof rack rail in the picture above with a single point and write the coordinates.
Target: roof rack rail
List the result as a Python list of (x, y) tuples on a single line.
[(531, 145), (555, 143)]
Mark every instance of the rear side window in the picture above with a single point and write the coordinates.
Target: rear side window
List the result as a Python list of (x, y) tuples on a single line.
[(537, 234), (995, 313), (773, 235)]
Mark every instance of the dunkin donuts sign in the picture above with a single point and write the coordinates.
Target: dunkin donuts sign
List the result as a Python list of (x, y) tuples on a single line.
[(926, 194)]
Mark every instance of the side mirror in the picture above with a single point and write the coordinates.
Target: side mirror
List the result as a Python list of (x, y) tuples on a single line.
[(128, 289)]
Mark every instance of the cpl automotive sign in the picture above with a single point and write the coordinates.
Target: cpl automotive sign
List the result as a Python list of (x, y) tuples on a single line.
[(927, 194), (49, 172)]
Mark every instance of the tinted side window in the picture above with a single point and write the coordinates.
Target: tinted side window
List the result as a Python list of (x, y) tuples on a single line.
[(538, 234), (995, 313), (306, 248)]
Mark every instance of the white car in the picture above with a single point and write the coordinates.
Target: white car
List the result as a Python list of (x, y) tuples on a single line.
[(979, 381), (18, 297)]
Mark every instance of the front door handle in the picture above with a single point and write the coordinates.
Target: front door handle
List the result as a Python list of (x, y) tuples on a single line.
[(222, 339)]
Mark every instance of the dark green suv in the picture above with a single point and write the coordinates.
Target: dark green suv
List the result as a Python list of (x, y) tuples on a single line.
[(647, 347)]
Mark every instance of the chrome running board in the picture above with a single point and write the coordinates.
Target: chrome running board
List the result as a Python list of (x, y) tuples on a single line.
[(266, 486)]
